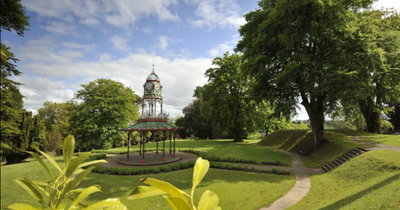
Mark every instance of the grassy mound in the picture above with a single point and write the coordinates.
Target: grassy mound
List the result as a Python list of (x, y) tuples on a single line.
[(294, 140), (289, 140), (369, 181)]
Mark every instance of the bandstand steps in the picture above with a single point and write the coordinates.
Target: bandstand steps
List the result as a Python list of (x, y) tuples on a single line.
[(344, 158)]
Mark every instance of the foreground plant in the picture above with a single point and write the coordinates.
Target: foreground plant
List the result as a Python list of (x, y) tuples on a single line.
[(62, 187), (208, 201)]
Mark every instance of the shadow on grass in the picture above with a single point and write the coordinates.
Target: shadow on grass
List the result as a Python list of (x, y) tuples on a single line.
[(345, 201)]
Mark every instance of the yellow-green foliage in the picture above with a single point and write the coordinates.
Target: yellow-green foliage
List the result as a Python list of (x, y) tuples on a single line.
[(303, 126), (208, 201), (57, 193)]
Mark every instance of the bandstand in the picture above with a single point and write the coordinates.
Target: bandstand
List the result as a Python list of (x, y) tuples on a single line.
[(152, 119)]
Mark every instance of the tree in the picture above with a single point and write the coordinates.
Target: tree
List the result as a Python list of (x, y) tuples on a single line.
[(225, 100), (19, 143), (106, 106), (55, 116), (375, 58), (194, 123), (303, 126), (395, 117), (12, 18), (295, 51)]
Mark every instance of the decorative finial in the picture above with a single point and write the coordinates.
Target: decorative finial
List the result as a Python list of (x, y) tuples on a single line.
[(153, 69)]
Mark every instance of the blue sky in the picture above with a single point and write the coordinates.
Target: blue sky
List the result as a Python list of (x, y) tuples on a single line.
[(73, 42)]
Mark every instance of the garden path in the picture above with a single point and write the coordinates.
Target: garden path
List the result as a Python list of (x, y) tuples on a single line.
[(300, 188)]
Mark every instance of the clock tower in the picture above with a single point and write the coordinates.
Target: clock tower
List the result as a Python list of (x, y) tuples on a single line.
[(152, 97)]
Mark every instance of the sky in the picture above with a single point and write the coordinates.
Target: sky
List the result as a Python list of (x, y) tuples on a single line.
[(74, 42)]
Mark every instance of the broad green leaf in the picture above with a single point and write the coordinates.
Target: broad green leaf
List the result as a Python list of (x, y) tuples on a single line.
[(75, 182), (75, 163), (68, 149), (22, 206), (30, 187), (117, 207), (85, 193), (144, 191), (74, 192), (208, 201), (48, 157), (42, 186), (62, 205), (165, 186), (104, 204), (91, 163), (177, 203), (218, 208), (200, 169)]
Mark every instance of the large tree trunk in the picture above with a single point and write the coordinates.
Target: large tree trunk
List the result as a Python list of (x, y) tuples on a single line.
[(237, 135), (372, 117), (315, 111)]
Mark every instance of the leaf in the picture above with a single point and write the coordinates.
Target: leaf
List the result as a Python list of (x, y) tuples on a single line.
[(75, 163), (177, 203), (4, 53), (208, 201), (91, 163), (37, 157), (48, 157), (75, 182), (200, 170), (104, 203), (30, 187), (117, 207), (85, 193), (22, 206), (144, 192), (165, 186), (68, 149)]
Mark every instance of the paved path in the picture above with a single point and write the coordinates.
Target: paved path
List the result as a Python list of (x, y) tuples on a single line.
[(377, 146), (300, 188), (303, 182)]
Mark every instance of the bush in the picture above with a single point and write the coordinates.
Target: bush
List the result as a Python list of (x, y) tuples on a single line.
[(168, 169), (175, 167), (157, 170), (162, 168)]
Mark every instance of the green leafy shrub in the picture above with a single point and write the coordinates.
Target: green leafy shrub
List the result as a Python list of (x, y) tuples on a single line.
[(61, 190)]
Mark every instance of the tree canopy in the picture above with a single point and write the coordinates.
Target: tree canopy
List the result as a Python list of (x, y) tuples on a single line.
[(55, 116), (106, 106), (297, 53)]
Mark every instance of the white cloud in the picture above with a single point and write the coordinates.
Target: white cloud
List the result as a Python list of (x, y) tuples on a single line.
[(387, 4), (37, 90), (120, 43), (223, 13), (163, 42), (118, 13), (90, 22), (105, 57), (85, 48), (147, 29), (59, 27), (179, 76), (222, 48)]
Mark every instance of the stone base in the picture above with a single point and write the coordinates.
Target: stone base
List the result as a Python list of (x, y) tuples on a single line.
[(150, 159)]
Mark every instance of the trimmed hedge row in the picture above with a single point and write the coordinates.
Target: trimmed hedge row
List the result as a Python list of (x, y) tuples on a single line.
[(124, 152), (179, 166), (233, 159), (139, 171), (198, 153)]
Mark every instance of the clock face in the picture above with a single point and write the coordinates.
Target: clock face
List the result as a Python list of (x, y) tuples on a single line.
[(148, 87), (157, 88)]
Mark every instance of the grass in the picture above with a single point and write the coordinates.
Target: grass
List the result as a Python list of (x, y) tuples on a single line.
[(236, 190), (393, 140), (223, 149), (369, 181), (294, 140)]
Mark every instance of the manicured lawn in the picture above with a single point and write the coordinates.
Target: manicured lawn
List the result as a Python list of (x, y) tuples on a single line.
[(369, 181), (223, 148), (236, 190), (393, 140)]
